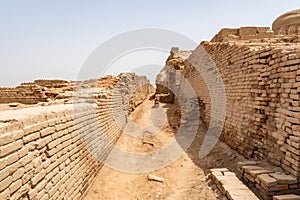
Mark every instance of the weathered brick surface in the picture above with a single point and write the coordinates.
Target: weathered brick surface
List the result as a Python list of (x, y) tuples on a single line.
[(267, 183), (262, 87), (55, 152), (261, 79), (230, 185), (32, 93)]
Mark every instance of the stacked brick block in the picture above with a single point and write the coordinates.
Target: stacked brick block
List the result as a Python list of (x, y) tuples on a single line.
[(230, 186), (266, 182)]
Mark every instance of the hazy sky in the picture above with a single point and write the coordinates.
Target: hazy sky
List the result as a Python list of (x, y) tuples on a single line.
[(52, 39)]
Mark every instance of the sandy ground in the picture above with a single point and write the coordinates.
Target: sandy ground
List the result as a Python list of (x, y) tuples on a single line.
[(185, 179)]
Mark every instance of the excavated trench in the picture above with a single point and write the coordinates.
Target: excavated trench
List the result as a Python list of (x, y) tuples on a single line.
[(56, 149), (184, 178)]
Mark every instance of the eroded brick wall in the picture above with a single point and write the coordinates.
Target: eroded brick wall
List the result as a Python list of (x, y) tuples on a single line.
[(36, 92), (26, 94), (262, 83), (54, 152)]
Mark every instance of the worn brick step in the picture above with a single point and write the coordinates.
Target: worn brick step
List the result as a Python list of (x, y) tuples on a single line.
[(230, 185), (287, 197)]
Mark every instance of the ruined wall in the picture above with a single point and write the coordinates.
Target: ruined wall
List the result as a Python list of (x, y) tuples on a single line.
[(169, 78), (53, 83), (243, 33), (35, 92), (136, 93), (26, 94), (262, 82), (53, 152)]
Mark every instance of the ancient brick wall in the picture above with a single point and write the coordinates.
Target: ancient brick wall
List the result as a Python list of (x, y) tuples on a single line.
[(35, 92), (26, 94), (243, 33), (52, 83), (262, 83), (54, 152)]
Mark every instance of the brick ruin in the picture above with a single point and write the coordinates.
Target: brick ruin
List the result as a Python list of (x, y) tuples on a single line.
[(260, 69), (36, 92), (43, 155)]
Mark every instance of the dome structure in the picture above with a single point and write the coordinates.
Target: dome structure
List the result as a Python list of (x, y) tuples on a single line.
[(287, 24)]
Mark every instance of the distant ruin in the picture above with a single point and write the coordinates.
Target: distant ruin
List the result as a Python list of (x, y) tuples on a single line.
[(287, 24)]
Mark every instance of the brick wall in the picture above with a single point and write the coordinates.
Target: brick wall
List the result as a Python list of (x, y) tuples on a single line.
[(243, 33), (35, 92), (26, 94), (53, 152), (262, 83), (53, 83)]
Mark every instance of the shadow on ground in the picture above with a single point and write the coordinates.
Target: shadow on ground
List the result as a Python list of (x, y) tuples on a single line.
[(220, 156)]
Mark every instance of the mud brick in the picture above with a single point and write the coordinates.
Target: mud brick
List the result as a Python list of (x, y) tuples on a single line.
[(266, 195), (33, 128), (18, 174), (10, 137), (12, 158), (248, 177), (32, 194), (287, 197), (53, 143), (41, 185), (31, 137), (249, 168), (278, 188), (47, 131), (15, 186), (5, 194), (219, 170), (284, 179), (294, 186), (38, 177), (241, 194), (254, 173), (41, 194), (246, 163), (267, 180), (4, 183), (9, 148)]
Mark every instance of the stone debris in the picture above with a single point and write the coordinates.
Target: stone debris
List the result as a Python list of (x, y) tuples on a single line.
[(230, 186), (155, 178), (14, 105)]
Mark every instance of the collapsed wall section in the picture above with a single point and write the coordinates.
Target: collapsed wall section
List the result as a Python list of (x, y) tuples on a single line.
[(26, 94), (262, 83), (55, 152), (169, 78), (36, 92)]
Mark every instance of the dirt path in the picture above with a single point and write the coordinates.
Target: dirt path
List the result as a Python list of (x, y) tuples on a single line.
[(184, 179)]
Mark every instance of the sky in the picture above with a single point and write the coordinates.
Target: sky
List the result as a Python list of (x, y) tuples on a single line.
[(53, 39)]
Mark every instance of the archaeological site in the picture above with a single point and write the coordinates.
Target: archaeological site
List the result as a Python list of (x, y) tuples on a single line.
[(229, 110)]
